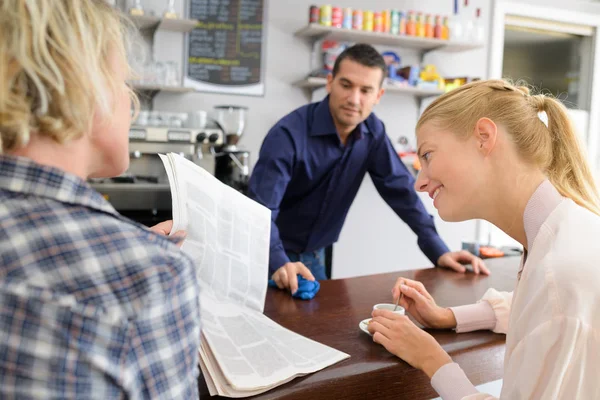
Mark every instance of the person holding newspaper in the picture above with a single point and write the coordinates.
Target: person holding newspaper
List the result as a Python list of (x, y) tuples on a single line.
[(313, 161), (93, 304)]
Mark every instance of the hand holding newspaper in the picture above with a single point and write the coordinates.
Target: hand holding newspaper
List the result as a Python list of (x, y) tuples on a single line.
[(242, 352)]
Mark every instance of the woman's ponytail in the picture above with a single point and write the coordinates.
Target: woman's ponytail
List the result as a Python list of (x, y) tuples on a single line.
[(569, 170)]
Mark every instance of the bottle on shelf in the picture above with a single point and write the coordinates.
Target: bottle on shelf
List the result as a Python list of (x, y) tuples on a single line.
[(395, 22), (420, 25), (411, 24), (438, 28), (445, 29), (386, 17), (428, 26), (403, 22)]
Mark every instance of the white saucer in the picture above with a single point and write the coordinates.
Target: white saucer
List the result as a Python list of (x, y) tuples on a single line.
[(363, 326)]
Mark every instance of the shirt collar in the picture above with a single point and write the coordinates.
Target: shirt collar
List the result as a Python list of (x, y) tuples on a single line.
[(322, 123), (539, 207), (23, 175)]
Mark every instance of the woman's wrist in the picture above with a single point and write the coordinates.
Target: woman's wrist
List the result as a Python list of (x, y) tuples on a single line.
[(447, 319), (436, 361)]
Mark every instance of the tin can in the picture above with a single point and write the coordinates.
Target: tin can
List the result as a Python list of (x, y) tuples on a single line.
[(313, 16), (368, 21), (377, 22), (325, 15), (386, 21), (347, 21), (394, 22), (357, 20), (336, 17)]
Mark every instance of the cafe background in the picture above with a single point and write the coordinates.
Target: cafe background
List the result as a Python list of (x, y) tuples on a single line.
[(374, 239)]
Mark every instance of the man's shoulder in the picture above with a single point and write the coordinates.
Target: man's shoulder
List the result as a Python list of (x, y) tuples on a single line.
[(292, 129), (296, 120)]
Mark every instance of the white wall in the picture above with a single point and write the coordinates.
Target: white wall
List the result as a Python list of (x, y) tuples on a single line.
[(373, 239), (288, 60)]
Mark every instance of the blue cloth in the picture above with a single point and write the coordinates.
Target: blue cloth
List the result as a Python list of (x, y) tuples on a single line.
[(93, 304), (313, 260), (309, 180), (306, 289)]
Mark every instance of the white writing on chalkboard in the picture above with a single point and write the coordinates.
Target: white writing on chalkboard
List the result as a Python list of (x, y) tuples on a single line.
[(226, 47)]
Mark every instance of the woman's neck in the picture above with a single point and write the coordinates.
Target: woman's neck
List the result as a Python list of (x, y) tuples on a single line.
[(508, 201)]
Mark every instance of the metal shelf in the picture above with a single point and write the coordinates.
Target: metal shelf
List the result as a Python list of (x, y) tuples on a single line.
[(315, 83), (316, 31), (147, 22), (177, 25), (143, 22), (159, 88)]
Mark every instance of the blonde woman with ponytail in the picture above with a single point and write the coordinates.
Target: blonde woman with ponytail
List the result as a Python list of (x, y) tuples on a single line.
[(92, 305), (493, 151)]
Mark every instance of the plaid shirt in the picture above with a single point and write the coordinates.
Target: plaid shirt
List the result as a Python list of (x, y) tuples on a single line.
[(92, 305)]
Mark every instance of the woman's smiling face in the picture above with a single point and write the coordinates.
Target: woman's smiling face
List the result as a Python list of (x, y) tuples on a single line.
[(452, 171)]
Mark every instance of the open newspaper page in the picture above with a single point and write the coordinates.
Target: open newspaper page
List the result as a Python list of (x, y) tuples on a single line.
[(227, 233), (255, 353), (243, 352)]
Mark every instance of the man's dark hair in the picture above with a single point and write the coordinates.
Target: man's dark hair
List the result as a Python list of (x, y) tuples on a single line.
[(364, 54)]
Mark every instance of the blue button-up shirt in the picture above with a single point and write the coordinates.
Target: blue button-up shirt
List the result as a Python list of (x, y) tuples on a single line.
[(92, 305), (309, 180)]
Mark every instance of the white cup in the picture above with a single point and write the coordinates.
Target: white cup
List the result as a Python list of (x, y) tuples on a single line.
[(390, 307)]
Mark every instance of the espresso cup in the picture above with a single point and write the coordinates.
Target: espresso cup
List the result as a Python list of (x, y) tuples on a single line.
[(389, 307)]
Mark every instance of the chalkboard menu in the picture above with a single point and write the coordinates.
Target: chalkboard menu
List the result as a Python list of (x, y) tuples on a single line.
[(226, 49)]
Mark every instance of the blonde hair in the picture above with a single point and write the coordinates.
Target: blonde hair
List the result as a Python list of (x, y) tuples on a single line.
[(55, 67), (555, 149)]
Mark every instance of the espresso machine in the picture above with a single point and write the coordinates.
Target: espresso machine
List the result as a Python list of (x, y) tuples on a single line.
[(143, 193), (232, 164)]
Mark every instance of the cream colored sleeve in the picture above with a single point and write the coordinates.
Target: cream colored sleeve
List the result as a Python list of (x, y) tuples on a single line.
[(491, 313), (501, 303), (559, 359)]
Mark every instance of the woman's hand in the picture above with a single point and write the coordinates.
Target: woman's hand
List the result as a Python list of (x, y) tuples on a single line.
[(401, 337), (164, 228), (419, 303)]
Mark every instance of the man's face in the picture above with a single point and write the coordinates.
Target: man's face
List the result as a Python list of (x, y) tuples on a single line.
[(353, 92)]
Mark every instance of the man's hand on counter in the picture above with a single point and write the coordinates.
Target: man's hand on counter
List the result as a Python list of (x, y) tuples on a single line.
[(454, 260), (286, 277), (164, 228)]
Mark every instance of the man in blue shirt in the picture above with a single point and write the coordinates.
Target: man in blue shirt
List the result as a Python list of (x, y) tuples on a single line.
[(313, 161)]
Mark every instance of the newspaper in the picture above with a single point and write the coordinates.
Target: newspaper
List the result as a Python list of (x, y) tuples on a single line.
[(242, 352)]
